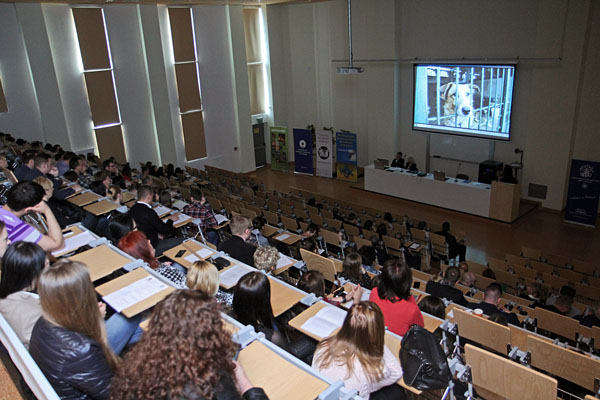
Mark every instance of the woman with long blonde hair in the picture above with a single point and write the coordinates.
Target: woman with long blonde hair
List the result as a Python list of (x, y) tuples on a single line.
[(357, 354), (69, 341)]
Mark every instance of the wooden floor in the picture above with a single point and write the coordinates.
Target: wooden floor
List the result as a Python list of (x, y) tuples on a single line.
[(539, 228)]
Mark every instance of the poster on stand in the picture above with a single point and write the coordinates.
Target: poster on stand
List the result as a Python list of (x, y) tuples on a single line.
[(346, 157), (303, 151), (324, 145), (279, 157), (583, 194)]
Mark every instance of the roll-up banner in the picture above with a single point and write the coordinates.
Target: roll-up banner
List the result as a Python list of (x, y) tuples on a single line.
[(346, 160), (324, 153), (279, 157), (583, 194), (303, 151)]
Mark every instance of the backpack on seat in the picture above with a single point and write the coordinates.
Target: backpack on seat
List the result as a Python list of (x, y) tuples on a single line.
[(423, 361)]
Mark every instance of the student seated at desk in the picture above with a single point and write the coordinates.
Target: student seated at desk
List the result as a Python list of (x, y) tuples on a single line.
[(137, 245), (445, 288), (21, 199), (204, 276), (265, 258), (393, 296), (189, 357), (357, 354), (354, 271), (119, 225), (252, 306), (257, 237), (69, 343), (314, 282), (237, 246), (490, 302)]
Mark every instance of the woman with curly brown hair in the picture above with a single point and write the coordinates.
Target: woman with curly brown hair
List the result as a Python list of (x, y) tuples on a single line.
[(185, 354)]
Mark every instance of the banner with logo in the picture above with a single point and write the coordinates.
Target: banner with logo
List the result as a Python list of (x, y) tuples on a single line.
[(279, 157), (346, 158), (583, 194), (324, 146), (303, 151)]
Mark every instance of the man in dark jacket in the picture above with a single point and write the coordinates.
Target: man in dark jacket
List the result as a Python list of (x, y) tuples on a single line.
[(489, 305), (148, 221), (236, 245), (455, 248), (445, 289)]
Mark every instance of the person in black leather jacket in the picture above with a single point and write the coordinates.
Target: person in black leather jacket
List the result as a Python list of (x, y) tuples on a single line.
[(185, 354), (69, 341)]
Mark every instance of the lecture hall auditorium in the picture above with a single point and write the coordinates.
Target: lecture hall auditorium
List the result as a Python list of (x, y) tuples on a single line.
[(156, 104)]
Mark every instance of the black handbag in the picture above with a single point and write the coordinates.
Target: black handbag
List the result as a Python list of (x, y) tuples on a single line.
[(423, 361)]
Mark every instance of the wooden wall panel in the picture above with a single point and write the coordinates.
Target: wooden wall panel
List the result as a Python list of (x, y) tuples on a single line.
[(182, 35), (101, 94), (193, 135), (3, 105), (187, 87), (92, 38), (110, 143)]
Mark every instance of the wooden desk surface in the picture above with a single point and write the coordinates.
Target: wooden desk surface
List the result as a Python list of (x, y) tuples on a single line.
[(286, 266), (101, 207), (556, 323), (283, 297), (191, 248), (280, 379), (291, 238), (304, 316), (128, 279), (127, 196), (179, 224), (84, 198), (101, 261), (269, 230)]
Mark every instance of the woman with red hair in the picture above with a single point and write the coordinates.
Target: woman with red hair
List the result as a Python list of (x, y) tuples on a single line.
[(137, 245)]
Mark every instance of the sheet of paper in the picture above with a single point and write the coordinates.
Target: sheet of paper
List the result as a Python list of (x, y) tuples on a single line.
[(132, 294), (414, 246), (365, 297), (283, 261), (181, 218), (323, 323), (282, 237), (231, 276), (179, 204), (204, 253), (162, 210), (221, 218), (75, 242)]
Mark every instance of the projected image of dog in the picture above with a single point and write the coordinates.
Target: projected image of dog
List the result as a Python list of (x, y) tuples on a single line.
[(458, 104)]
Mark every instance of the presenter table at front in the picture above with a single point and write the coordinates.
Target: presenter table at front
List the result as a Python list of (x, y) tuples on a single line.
[(279, 378), (464, 196)]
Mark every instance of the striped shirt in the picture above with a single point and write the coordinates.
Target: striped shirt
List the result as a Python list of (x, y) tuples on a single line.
[(17, 229)]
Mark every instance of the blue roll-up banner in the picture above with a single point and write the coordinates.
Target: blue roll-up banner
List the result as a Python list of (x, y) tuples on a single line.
[(584, 192), (303, 151), (346, 157)]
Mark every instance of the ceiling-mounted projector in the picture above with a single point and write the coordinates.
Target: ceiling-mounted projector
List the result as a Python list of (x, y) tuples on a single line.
[(350, 70)]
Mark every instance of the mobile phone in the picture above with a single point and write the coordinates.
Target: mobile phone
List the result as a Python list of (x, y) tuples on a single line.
[(180, 253), (67, 232), (416, 285), (338, 292)]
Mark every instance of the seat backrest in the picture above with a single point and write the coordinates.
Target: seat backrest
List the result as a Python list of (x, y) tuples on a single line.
[(315, 262), (30, 371)]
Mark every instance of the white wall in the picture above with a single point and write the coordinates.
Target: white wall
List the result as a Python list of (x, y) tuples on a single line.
[(45, 89), (23, 117), (377, 104)]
